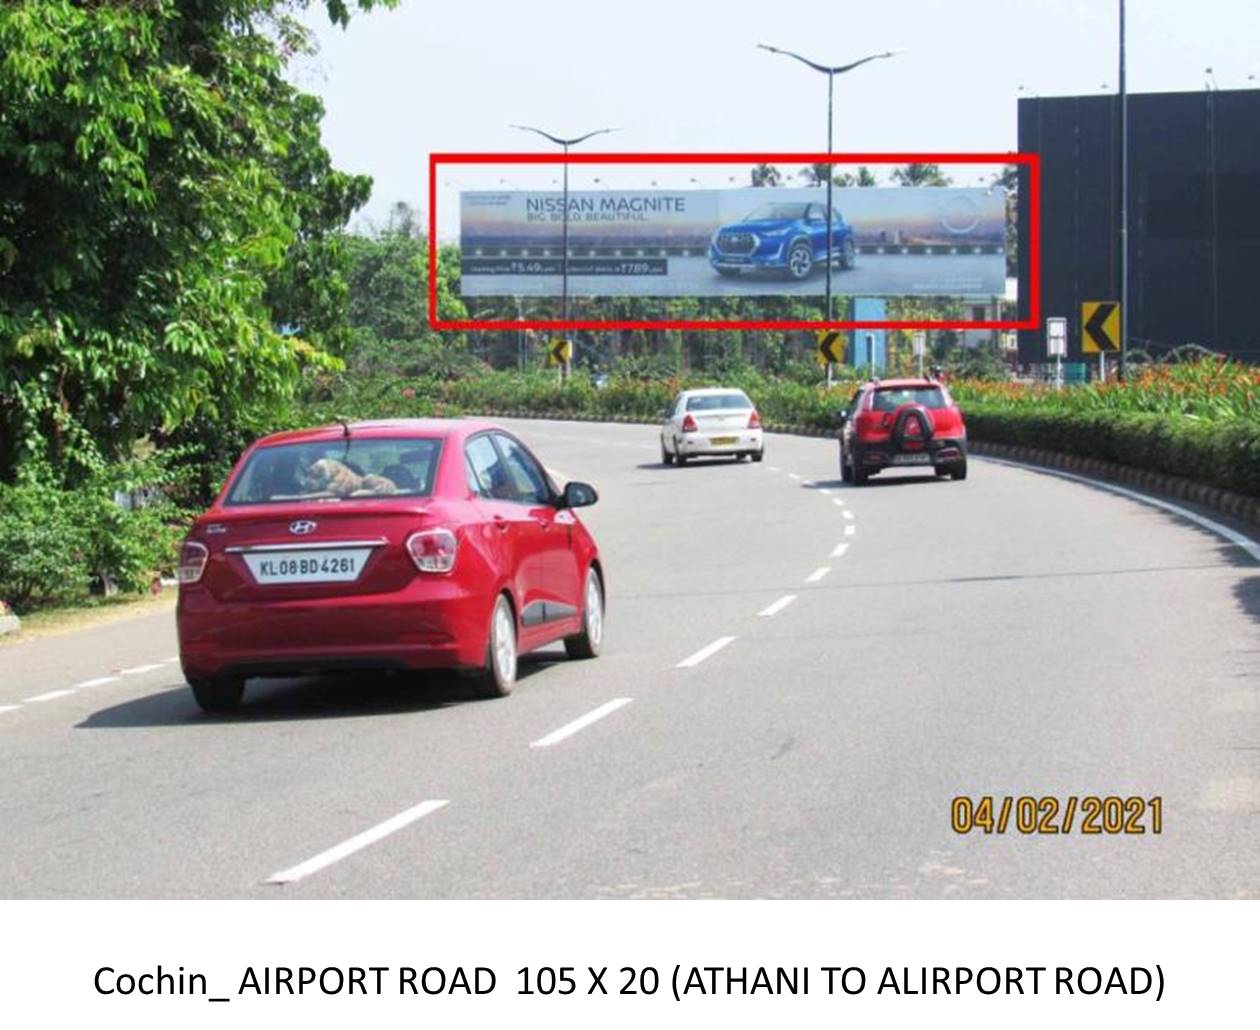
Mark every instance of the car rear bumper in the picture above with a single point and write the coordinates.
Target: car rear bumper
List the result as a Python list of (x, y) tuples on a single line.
[(878, 455), (741, 441), (429, 624)]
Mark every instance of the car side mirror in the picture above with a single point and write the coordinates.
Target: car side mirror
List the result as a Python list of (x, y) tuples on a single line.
[(842, 415), (578, 495)]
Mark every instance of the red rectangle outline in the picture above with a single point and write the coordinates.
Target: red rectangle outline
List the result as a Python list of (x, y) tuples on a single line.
[(1031, 160)]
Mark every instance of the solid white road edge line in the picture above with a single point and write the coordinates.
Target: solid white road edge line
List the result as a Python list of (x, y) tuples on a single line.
[(839, 550), (580, 723), (705, 652), (778, 606), (47, 697), (9, 708), (99, 681), (138, 669), (818, 574), (1232, 535), (356, 843), (850, 529)]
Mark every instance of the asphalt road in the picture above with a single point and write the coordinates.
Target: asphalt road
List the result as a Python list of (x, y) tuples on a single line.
[(1012, 634), (876, 274)]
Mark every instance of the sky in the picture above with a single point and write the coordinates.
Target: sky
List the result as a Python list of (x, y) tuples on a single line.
[(686, 76)]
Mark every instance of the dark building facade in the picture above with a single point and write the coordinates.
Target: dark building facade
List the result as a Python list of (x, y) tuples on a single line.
[(1194, 217)]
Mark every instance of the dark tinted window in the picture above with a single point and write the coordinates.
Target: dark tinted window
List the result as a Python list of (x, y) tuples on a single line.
[(718, 402), (488, 476), (529, 481), (354, 468), (892, 398)]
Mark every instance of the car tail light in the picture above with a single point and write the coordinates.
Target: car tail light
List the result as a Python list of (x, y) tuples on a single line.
[(192, 561), (754, 421), (689, 424), (433, 550)]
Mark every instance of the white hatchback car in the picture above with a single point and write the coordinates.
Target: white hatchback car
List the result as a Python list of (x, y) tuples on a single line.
[(714, 422)]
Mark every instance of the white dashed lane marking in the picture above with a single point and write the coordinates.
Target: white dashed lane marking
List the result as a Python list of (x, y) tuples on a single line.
[(839, 550), (99, 681), (850, 529), (705, 652), (818, 574), (848, 514), (777, 606), (51, 695), (356, 843), (580, 723)]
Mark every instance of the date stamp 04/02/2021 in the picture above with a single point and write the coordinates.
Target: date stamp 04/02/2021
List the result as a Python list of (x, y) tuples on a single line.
[(1086, 814)]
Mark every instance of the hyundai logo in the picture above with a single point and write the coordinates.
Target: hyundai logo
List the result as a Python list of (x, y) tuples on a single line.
[(301, 527)]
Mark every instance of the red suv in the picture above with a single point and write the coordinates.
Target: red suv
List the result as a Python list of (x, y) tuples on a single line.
[(409, 544), (902, 423)]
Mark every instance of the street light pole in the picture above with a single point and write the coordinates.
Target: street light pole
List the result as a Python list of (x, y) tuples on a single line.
[(831, 71), (1124, 208), (564, 223)]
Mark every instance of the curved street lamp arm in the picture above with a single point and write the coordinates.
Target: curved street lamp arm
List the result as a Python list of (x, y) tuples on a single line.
[(804, 60), (556, 139)]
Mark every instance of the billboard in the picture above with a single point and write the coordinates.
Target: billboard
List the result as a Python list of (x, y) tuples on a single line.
[(896, 241)]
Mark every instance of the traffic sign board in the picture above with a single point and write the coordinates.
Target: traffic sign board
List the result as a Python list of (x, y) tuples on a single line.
[(1100, 326), (1056, 337), (560, 352), (830, 346)]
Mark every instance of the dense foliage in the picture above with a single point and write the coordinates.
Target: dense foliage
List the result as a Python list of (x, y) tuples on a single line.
[(166, 207)]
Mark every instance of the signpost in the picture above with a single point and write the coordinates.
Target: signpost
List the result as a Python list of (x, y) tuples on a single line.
[(559, 355), (920, 347), (1100, 330), (1056, 346), (830, 348)]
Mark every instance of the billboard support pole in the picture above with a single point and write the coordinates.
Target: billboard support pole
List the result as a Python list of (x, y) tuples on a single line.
[(564, 225), (564, 260), (1124, 208), (831, 81)]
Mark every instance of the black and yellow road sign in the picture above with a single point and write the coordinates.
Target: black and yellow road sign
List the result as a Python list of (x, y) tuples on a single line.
[(830, 346), (1100, 326), (559, 353)]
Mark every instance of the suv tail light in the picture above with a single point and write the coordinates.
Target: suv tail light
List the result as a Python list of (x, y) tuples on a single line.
[(754, 421), (192, 561), (433, 550), (689, 424)]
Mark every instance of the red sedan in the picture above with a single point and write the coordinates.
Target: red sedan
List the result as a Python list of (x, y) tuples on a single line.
[(408, 544)]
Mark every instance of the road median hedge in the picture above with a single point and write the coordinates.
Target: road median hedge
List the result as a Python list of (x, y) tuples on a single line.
[(1224, 454)]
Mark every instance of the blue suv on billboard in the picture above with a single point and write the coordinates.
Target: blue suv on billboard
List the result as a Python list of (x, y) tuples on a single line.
[(789, 237)]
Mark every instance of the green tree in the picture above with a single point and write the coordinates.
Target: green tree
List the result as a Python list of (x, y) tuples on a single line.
[(161, 185), (920, 174), (765, 175)]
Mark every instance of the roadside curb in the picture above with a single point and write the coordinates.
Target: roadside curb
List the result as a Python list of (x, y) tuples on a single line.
[(1223, 502)]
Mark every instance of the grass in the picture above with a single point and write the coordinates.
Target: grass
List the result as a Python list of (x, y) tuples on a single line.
[(47, 622)]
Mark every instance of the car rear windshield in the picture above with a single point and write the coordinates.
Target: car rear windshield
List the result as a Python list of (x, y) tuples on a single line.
[(776, 212), (718, 402), (893, 397), (338, 470)]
